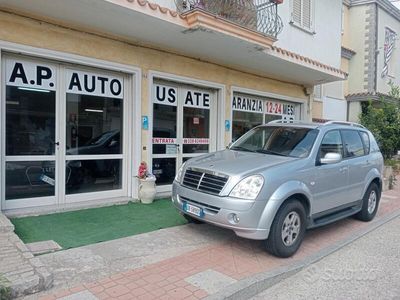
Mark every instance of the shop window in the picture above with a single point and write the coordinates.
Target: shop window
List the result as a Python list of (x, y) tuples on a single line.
[(94, 125), (30, 121), (243, 122)]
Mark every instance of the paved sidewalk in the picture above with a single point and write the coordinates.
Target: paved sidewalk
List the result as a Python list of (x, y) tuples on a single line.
[(366, 269), (188, 262), (22, 272)]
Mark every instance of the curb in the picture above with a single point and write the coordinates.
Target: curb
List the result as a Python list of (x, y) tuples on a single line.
[(251, 286)]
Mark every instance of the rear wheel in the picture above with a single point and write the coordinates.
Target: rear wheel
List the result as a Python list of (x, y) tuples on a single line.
[(287, 230), (370, 203), (190, 219)]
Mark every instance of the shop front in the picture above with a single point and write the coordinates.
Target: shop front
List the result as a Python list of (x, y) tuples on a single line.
[(64, 133), (249, 111)]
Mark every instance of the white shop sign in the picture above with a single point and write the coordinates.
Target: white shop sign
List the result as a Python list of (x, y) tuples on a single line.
[(190, 97), (165, 95), (32, 75), (196, 98), (88, 83), (249, 104)]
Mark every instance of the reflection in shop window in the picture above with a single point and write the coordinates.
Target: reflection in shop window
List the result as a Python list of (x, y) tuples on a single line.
[(94, 125), (164, 170), (84, 176), (164, 126), (243, 122), (196, 130), (30, 121), (29, 179)]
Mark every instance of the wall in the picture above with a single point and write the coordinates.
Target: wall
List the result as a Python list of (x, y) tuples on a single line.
[(354, 111), (327, 32), (357, 32), (346, 26), (27, 31), (387, 20)]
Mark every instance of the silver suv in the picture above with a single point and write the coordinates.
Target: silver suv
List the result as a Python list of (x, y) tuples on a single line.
[(280, 179)]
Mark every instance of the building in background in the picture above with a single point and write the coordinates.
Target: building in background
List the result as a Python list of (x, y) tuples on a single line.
[(88, 89), (371, 51)]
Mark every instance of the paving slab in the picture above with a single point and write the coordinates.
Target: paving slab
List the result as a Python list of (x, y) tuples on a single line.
[(182, 262), (43, 247), (24, 273)]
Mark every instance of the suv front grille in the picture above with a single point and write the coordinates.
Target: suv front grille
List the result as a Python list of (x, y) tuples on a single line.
[(205, 182)]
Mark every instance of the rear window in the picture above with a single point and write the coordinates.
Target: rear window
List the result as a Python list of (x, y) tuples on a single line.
[(365, 139), (353, 144)]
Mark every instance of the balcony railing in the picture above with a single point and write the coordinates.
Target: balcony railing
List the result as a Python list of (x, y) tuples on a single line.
[(258, 15)]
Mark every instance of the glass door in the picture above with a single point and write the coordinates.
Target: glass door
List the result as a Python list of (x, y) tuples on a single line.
[(94, 122), (183, 118), (30, 141)]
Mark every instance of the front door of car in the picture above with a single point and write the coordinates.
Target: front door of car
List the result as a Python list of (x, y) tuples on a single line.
[(330, 188)]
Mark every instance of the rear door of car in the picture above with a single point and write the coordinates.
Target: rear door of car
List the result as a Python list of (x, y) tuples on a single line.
[(358, 162)]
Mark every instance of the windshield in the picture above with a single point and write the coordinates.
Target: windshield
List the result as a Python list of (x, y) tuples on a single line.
[(283, 141), (101, 138)]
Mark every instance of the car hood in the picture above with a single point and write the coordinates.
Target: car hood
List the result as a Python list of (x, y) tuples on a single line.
[(231, 162)]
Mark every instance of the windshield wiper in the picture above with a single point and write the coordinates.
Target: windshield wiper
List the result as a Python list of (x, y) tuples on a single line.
[(238, 148), (270, 152)]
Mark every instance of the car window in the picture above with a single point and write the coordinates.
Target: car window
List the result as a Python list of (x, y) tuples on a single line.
[(374, 144), (365, 139), (331, 143), (354, 147)]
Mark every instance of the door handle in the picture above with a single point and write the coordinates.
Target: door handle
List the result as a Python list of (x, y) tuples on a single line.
[(57, 144), (343, 169)]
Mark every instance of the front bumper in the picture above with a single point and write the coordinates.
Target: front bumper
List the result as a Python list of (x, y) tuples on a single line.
[(220, 210)]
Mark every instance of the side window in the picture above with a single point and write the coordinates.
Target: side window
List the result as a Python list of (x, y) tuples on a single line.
[(331, 143), (365, 139), (352, 142), (374, 144)]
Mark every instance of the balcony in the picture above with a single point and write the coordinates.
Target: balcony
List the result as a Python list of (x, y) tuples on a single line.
[(256, 15), (214, 37)]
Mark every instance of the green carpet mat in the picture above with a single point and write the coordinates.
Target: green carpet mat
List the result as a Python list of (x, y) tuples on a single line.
[(88, 226)]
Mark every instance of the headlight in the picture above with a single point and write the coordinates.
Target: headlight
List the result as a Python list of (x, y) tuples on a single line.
[(178, 176), (248, 188)]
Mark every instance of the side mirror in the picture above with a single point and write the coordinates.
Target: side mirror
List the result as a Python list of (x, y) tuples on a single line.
[(331, 158)]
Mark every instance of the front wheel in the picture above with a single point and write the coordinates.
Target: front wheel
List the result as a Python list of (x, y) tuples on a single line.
[(370, 203), (287, 230)]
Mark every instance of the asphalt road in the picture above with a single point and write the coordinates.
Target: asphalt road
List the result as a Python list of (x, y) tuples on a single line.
[(369, 268)]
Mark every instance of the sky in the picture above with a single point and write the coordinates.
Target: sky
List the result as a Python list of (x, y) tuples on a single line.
[(397, 3)]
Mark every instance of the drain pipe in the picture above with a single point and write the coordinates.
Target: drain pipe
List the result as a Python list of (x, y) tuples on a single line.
[(308, 91)]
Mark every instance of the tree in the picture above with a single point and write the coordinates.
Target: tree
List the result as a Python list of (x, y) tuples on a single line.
[(383, 120)]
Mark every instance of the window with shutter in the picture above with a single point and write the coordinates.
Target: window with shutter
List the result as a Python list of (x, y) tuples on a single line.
[(318, 91), (306, 15), (296, 11), (303, 14)]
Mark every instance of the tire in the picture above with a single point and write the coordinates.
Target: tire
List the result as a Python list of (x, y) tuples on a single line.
[(285, 242), (192, 220), (370, 203)]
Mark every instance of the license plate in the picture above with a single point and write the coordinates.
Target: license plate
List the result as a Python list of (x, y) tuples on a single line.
[(194, 210)]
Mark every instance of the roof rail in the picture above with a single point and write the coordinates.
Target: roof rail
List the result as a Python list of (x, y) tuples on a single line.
[(344, 123), (280, 121)]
